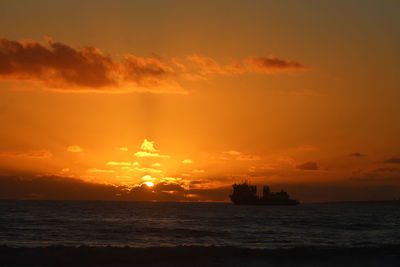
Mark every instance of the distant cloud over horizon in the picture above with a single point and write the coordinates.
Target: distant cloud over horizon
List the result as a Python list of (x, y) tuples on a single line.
[(309, 166), (237, 155), (357, 154), (29, 186), (393, 160)]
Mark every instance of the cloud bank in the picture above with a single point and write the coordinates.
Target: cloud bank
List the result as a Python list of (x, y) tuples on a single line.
[(60, 67), (64, 188)]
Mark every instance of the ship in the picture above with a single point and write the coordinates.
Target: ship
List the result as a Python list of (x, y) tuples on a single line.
[(246, 194)]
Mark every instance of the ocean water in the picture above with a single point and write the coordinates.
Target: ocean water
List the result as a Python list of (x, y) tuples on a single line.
[(152, 224)]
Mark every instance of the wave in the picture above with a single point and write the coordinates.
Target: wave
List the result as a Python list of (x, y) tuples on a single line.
[(385, 255)]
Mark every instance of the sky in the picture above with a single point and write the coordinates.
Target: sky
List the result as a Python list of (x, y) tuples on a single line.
[(178, 100)]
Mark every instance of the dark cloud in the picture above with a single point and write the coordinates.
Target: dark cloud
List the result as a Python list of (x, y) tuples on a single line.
[(273, 64), (393, 160), (196, 182), (309, 166), (53, 188), (313, 192), (256, 64), (211, 194), (357, 154), (378, 175), (160, 187), (28, 186), (387, 170), (60, 66), (26, 154)]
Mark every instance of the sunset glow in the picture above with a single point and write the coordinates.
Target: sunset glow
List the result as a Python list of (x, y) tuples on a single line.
[(191, 99), (149, 184)]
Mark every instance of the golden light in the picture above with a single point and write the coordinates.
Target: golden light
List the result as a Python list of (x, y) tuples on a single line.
[(149, 184)]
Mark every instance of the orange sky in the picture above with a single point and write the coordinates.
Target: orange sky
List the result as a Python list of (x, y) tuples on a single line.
[(300, 95)]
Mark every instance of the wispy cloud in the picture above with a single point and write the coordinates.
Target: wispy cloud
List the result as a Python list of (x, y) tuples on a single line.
[(198, 171), (252, 64), (272, 64), (357, 154), (237, 155), (144, 154), (74, 149), (95, 170), (149, 170), (308, 166), (27, 154), (392, 160), (117, 163)]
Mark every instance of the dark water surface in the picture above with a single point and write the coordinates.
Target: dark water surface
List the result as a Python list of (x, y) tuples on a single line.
[(146, 224)]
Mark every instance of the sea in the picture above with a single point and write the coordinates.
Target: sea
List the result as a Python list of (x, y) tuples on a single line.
[(343, 226)]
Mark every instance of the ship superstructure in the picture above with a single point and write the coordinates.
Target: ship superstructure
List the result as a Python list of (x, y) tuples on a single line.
[(245, 194)]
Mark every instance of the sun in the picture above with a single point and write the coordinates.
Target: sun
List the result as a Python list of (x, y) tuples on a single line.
[(149, 184)]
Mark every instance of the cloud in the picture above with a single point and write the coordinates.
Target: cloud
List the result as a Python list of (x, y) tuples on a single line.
[(236, 155), (252, 64), (393, 160), (357, 154), (123, 148), (380, 175), (148, 178), (168, 187), (156, 164), (171, 180), (207, 65), (309, 166), (74, 149), (95, 170), (148, 146), (54, 188), (268, 65), (58, 66), (232, 153), (306, 148), (144, 154), (150, 170), (387, 170), (187, 161), (29, 186), (148, 151), (39, 154), (116, 163)]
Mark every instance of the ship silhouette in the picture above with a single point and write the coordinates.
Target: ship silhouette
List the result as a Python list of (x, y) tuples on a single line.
[(245, 194)]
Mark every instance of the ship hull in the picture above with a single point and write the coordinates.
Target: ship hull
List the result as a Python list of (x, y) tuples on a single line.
[(265, 202)]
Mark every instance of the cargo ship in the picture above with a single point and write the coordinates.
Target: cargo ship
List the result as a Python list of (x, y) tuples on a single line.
[(245, 194)]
